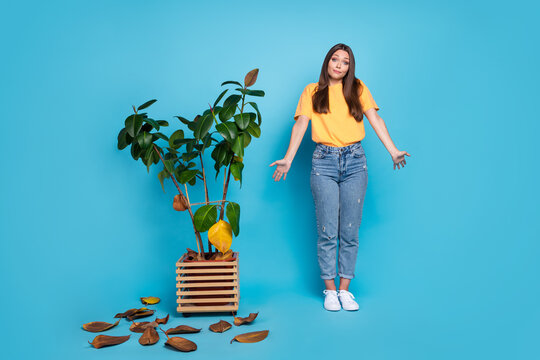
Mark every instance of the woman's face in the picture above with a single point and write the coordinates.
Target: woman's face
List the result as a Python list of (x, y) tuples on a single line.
[(338, 65)]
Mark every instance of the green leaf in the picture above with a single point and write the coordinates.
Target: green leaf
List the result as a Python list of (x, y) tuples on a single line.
[(133, 124), (159, 135), (122, 139), (192, 181), (190, 156), (242, 120), (163, 123), (231, 82), (238, 146), (254, 105), (152, 122), (135, 151), (227, 112), (232, 100), (183, 120), (169, 165), (247, 139), (162, 175), (254, 129), (228, 130), (146, 104), (232, 210), (187, 175), (219, 97), (204, 124), (180, 142), (147, 160), (144, 140), (205, 217), (177, 135), (255, 93), (236, 171)]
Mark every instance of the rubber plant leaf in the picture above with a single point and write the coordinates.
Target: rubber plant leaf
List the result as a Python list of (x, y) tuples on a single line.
[(150, 300), (220, 326), (106, 340), (251, 337), (244, 320), (149, 337), (220, 235), (98, 326)]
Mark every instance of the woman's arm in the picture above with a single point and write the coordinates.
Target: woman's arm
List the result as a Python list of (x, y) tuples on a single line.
[(298, 131), (382, 132)]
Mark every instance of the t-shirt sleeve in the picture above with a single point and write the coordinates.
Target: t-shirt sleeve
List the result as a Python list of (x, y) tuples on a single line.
[(305, 105), (366, 100)]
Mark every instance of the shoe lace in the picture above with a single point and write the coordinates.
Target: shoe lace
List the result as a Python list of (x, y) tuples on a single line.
[(328, 291), (347, 294)]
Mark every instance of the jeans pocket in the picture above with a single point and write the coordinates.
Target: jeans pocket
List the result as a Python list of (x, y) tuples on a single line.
[(318, 154), (358, 153)]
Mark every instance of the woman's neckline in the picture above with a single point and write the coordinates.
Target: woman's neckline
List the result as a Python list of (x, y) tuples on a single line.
[(339, 83)]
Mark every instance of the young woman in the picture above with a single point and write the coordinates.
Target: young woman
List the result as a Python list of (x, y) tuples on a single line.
[(335, 105)]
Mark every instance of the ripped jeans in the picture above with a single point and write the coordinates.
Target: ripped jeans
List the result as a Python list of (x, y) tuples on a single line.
[(338, 184)]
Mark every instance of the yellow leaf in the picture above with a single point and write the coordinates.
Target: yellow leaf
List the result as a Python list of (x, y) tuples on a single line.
[(220, 235), (150, 300)]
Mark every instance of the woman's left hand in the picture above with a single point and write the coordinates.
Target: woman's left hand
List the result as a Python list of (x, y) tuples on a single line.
[(399, 158)]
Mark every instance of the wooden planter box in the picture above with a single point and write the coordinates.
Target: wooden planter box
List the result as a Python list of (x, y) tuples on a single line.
[(207, 285)]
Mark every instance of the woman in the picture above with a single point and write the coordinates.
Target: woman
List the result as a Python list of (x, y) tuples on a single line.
[(335, 105)]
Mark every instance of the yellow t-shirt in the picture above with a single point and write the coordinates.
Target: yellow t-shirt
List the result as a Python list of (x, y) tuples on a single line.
[(337, 127)]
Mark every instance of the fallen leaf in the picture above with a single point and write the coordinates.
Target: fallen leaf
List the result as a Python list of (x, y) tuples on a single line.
[(251, 337), (98, 326), (149, 337), (126, 313), (191, 253), (220, 235), (182, 329), (106, 340), (243, 320), (220, 327), (162, 321), (179, 343), (140, 327), (150, 300), (140, 314)]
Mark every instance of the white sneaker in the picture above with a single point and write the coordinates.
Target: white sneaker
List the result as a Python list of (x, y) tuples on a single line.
[(346, 299), (331, 301)]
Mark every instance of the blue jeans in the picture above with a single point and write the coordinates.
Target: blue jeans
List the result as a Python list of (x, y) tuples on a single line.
[(338, 184)]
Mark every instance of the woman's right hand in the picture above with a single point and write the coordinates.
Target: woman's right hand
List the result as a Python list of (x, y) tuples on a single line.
[(282, 168)]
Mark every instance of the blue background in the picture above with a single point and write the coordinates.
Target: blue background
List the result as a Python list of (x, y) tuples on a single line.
[(448, 261)]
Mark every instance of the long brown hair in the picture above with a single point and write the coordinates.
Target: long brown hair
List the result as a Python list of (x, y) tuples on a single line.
[(352, 87)]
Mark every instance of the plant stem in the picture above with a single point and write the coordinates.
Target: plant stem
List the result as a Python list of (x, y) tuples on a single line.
[(197, 234), (205, 194), (200, 247), (226, 179)]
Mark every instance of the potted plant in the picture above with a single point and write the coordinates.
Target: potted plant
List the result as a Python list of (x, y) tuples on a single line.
[(225, 130)]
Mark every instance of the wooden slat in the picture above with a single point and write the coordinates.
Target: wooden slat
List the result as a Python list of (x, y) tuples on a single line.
[(205, 271), (206, 263), (185, 309), (209, 284), (209, 277), (208, 292), (201, 301)]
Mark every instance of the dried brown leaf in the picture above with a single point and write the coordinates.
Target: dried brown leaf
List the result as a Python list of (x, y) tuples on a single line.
[(150, 300), (126, 313), (179, 343), (106, 340), (140, 327), (221, 326), (149, 337), (243, 320), (98, 326), (251, 337), (251, 77), (182, 329), (162, 321), (140, 314)]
